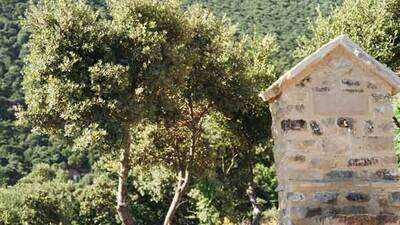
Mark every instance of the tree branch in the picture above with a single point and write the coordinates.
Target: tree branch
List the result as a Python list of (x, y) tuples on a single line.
[(396, 122)]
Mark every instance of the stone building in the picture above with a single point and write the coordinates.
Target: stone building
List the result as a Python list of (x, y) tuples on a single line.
[(333, 132)]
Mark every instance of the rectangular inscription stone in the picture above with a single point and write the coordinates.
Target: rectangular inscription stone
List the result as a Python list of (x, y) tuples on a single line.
[(344, 104)]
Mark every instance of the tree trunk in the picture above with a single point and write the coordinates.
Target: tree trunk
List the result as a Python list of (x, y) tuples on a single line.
[(122, 195), (251, 192), (183, 181), (256, 206)]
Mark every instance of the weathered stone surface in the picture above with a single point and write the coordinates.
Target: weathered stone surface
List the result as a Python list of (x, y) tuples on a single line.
[(287, 125), (340, 174), (326, 197), (385, 110), (352, 210), (296, 197), (369, 126), (345, 122), (351, 82), (371, 85), (395, 196), (304, 82), (354, 90), (357, 197), (305, 212), (321, 89), (334, 147), (362, 162), (379, 97), (312, 212), (380, 219), (299, 158), (377, 143), (340, 103), (386, 127), (384, 174), (316, 129), (333, 132)]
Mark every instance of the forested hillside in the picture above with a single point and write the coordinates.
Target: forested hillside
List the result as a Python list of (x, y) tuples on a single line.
[(287, 19), (54, 163), (16, 144), (20, 150)]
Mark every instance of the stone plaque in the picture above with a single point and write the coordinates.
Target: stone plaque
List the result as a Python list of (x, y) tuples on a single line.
[(340, 104)]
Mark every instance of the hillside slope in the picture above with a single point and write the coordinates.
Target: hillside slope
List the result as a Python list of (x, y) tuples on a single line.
[(287, 19), (20, 150)]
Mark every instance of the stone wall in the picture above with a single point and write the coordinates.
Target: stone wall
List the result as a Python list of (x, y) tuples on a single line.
[(333, 133)]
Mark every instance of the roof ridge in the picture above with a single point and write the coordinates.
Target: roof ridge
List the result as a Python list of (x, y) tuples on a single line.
[(342, 40)]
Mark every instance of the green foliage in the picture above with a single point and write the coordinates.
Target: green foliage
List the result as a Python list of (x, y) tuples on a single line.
[(371, 23), (209, 201), (46, 196), (43, 198), (97, 203), (19, 149), (157, 183), (60, 67), (11, 51), (271, 217), (265, 178), (284, 18), (151, 193), (14, 142)]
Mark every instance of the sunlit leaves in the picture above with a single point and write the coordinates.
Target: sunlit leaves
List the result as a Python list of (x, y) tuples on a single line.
[(371, 23)]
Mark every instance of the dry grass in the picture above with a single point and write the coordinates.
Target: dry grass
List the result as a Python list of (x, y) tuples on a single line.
[(270, 217)]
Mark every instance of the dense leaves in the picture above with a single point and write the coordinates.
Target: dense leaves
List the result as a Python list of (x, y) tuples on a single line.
[(285, 18), (92, 77), (189, 73), (371, 23), (19, 148)]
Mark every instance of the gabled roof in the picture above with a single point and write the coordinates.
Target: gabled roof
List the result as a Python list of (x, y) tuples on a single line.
[(276, 89)]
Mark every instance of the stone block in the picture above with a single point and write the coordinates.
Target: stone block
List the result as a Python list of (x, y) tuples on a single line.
[(381, 97), (351, 83), (395, 196), (295, 197), (385, 111), (362, 162), (340, 175), (315, 128), (358, 197), (336, 146), (345, 122), (386, 174), (327, 197), (298, 158), (352, 210), (361, 220), (372, 145), (295, 125), (305, 212), (369, 127), (323, 163)]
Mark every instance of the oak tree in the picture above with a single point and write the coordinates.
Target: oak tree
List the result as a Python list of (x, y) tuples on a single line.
[(91, 76)]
